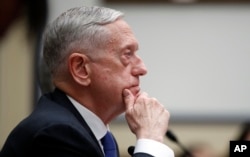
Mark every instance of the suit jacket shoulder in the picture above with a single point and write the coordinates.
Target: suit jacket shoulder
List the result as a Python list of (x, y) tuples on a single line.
[(54, 128)]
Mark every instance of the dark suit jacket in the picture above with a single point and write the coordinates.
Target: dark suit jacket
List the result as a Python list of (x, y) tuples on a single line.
[(54, 129)]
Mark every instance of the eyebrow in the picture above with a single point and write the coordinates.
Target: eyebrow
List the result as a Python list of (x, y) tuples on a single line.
[(132, 45)]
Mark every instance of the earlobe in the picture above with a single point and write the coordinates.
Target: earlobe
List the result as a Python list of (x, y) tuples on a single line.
[(78, 68)]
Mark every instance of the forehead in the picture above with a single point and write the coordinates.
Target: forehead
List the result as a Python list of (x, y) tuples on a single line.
[(121, 35)]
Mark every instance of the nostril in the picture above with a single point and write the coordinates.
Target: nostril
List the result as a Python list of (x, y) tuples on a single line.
[(139, 71)]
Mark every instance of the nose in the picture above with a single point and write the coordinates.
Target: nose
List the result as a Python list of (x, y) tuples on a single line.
[(139, 69)]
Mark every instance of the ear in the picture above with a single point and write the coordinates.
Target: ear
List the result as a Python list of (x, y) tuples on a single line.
[(78, 67)]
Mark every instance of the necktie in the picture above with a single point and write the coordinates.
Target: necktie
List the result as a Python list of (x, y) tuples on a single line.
[(109, 145)]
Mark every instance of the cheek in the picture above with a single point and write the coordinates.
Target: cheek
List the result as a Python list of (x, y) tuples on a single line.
[(113, 75), (116, 82)]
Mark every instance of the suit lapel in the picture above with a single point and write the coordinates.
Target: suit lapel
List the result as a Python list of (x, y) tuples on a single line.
[(61, 99)]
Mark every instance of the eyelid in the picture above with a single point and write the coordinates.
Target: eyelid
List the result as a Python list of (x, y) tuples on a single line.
[(128, 52)]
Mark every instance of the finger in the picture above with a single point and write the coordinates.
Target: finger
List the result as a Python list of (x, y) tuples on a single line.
[(128, 98), (142, 97)]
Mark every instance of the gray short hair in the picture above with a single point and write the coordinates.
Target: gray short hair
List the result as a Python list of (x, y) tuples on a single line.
[(80, 28)]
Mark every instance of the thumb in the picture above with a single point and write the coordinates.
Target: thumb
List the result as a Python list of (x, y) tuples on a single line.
[(128, 98)]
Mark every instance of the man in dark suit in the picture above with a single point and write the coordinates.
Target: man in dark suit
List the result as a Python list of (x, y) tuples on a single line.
[(91, 53)]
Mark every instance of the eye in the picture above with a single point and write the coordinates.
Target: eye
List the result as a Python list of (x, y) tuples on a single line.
[(127, 56), (128, 53)]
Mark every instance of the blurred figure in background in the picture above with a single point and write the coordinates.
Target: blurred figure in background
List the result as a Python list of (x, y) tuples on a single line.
[(35, 13), (11, 10), (21, 26), (244, 134)]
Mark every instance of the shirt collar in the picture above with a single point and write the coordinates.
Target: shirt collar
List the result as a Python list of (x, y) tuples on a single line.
[(94, 122)]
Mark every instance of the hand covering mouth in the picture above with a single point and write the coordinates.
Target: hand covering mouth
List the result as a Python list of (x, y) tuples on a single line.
[(135, 89)]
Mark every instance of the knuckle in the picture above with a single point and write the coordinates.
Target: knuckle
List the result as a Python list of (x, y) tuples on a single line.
[(167, 112)]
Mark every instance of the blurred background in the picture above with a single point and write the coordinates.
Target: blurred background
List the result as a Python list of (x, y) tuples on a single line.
[(197, 53)]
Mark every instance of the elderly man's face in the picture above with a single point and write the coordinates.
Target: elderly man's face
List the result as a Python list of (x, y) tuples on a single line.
[(118, 67)]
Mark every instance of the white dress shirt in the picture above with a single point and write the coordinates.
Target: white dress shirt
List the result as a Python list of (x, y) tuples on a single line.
[(99, 129)]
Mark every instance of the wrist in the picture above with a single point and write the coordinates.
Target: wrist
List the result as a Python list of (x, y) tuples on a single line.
[(154, 137)]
